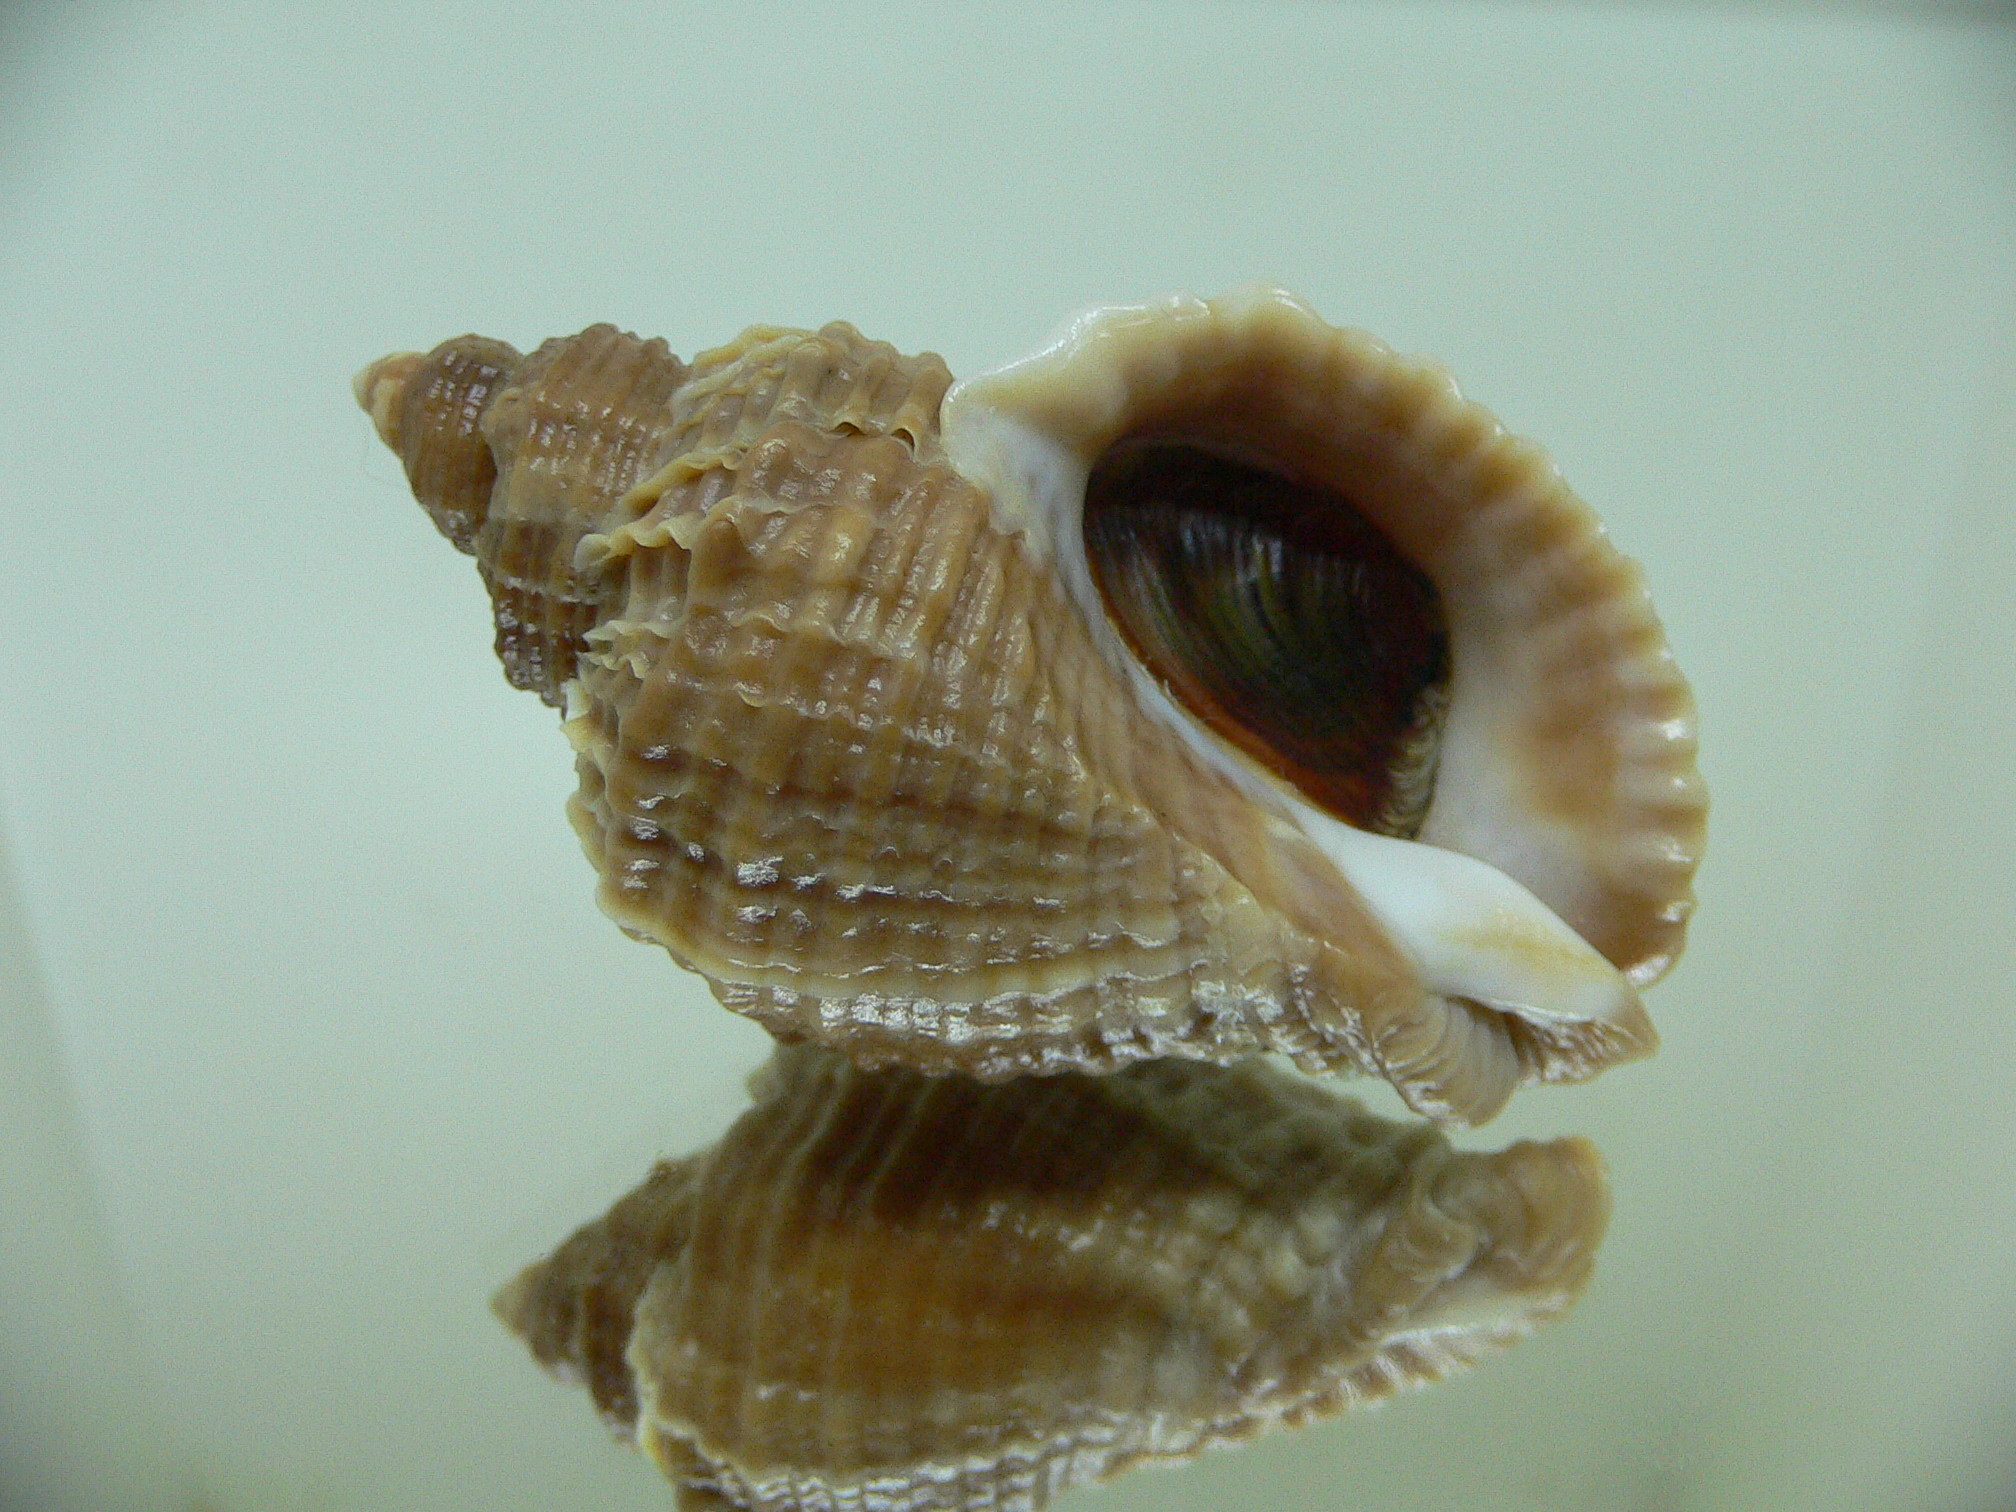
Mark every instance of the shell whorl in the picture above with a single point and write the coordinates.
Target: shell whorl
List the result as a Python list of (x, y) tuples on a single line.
[(885, 1289), (429, 409)]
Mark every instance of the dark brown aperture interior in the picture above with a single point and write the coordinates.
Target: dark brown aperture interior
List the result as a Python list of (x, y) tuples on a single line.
[(1279, 615)]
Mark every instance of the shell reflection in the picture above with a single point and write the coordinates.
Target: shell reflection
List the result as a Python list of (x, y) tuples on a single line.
[(883, 1289), (1212, 682)]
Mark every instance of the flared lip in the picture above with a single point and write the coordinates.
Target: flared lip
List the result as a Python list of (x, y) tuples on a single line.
[(1543, 610)]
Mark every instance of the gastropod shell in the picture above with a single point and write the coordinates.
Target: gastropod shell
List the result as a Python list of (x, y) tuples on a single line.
[(1212, 682)]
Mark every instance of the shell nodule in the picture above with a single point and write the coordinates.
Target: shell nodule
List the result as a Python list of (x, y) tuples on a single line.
[(883, 1289), (1212, 682)]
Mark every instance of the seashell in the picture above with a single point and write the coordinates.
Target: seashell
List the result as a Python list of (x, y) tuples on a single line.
[(1212, 682), (890, 1290)]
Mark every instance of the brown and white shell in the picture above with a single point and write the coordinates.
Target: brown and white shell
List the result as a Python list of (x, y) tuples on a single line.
[(896, 1291), (1344, 733)]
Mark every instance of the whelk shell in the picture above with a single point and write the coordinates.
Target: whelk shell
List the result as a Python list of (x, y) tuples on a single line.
[(1212, 682), (887, 1290)]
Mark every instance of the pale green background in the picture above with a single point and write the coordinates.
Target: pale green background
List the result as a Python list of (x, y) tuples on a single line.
[(309, 1031)]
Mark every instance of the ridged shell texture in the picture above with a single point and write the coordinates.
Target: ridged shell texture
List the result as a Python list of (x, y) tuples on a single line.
[(853, 743)]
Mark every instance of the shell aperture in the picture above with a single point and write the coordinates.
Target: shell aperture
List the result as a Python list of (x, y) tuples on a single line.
[(882, 1289), (860, 739), (1280, 617)]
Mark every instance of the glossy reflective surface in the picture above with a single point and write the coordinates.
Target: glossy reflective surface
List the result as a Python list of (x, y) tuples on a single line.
[(1282, 618)]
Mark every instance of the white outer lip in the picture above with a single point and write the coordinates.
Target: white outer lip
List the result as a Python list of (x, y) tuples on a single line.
[(1029, 434)]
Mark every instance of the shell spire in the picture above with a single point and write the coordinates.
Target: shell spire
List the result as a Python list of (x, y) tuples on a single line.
[(1212, 682), (515, 459)]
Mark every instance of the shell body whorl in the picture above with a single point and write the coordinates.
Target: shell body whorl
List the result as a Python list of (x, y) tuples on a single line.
[(860, 738)]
